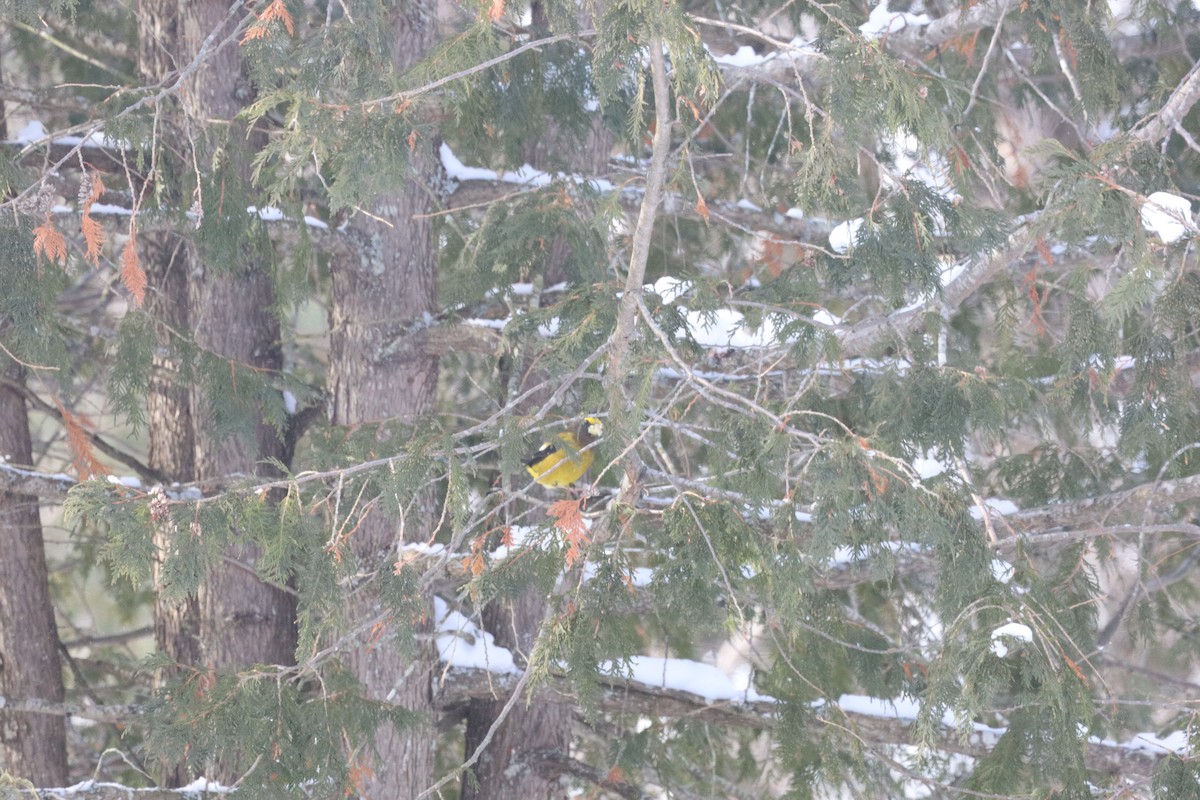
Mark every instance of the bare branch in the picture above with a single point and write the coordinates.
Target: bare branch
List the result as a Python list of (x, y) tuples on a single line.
[(656, 177)]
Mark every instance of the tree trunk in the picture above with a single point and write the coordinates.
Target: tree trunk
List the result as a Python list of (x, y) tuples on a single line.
[(380, 287), (242, 619), (169, 415), (235, 619), (32, 746), (168, 402), (230, 313)]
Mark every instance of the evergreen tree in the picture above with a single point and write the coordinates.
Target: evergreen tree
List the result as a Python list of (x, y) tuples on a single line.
[(887, 310)]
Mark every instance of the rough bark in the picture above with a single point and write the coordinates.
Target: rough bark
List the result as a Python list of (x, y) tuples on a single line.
[(168, 401), (169, 417), (242, 619), (32, 746), (235, 619), (378, 373)]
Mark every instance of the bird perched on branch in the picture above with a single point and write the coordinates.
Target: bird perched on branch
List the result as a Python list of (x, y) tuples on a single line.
[(562, 460)]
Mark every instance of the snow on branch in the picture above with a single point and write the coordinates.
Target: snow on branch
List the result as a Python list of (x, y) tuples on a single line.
[(17, 480), (933, 33), (97, 790), (1165, 120), (880, 722)]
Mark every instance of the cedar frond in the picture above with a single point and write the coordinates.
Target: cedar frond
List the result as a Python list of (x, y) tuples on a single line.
[(79, 442), (569, 522), (133, 277), (94, 236), (49, 243)]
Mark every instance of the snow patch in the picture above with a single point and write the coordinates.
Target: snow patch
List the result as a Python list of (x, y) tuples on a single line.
[(266, 213), (842, 238), (822, 317), (913, 160), (881, 21), (1176, 742), (1013, 630), (996, 505), (1002, 570), (204, 785), (525, 176), (518, 536), (109, 209), (1167, 215), (33, 131), (422, 548), (928, 467), (128, 481), (462, 643), (670, 288)]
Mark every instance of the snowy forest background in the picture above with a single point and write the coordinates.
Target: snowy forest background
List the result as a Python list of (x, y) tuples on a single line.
[(889, 309)]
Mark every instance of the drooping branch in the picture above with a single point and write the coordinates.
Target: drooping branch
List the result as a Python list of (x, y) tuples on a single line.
[(99, 442)]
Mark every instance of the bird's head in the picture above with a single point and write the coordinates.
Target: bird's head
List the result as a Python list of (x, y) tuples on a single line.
[(591, 429)]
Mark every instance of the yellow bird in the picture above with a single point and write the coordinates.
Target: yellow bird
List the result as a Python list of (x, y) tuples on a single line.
[(563, 460)]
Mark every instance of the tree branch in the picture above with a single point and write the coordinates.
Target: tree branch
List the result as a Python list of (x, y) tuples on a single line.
[(620, 695), (1154, 498), (91, 790), (656, 178), (934, 34), (39, 484), (1161, 123), (867, 334), (146, 472)]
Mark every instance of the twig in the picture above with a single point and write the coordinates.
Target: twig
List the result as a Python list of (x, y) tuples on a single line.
[(987, 58), (69, 50), (410, 94), (147, 472)]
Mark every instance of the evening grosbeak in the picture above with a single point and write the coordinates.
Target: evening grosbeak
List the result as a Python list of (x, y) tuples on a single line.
[(563, 460)]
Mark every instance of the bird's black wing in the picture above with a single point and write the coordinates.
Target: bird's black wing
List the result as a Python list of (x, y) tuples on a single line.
[(546, 449)]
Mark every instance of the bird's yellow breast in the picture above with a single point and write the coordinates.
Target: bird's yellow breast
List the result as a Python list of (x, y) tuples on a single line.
[(560, 463)]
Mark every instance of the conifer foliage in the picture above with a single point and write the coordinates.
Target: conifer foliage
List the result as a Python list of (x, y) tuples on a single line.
[(888, 308)]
